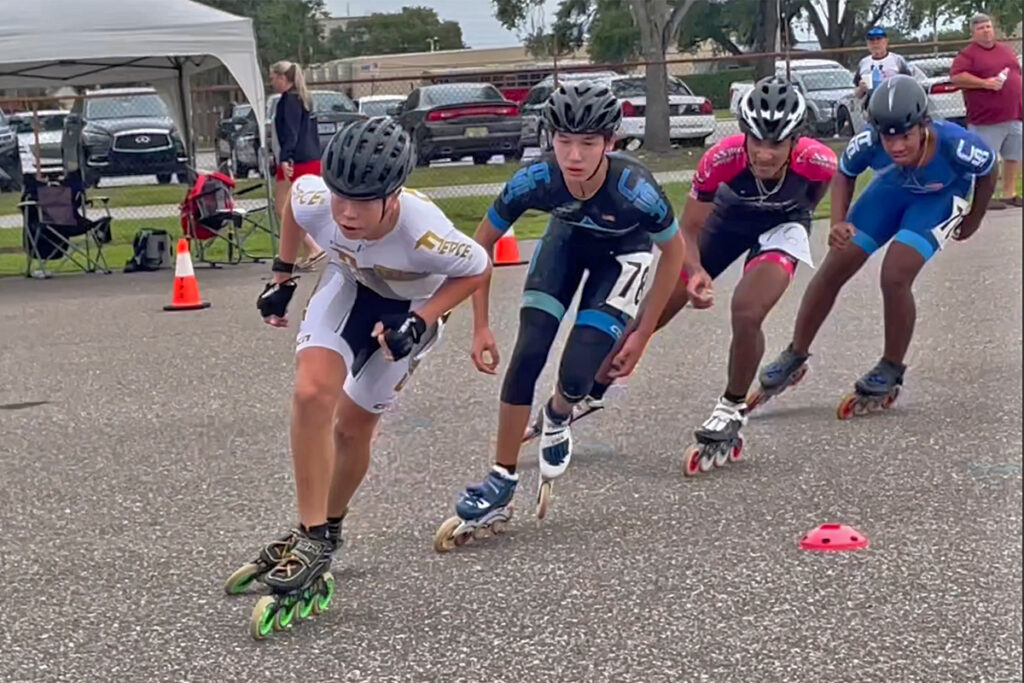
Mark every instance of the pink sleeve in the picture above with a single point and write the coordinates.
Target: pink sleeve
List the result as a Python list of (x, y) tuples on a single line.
[(720, 164), (814, 160)]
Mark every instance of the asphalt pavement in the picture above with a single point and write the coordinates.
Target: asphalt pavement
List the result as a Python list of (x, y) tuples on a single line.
[(144, 457)]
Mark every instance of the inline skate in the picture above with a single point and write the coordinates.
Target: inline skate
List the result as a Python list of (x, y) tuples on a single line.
[(876, 390), (482, 510), (579, 411), (301, 586), (242, 578), (785, 371), (719, 439)]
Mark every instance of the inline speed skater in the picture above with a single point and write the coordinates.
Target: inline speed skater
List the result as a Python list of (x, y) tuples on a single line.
[(397, 265), (607, 211)]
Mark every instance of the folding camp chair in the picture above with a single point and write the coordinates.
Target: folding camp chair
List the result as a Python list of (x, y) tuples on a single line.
[(209, 213), (55, 227)]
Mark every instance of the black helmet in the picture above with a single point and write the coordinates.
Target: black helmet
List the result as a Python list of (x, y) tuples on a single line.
[(772, 110), (898, 104), (583, 107), (368, 159)]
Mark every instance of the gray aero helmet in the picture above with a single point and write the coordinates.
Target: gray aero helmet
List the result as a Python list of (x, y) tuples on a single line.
[(898, 104), (773, 110), (368, 159), (583, 107)]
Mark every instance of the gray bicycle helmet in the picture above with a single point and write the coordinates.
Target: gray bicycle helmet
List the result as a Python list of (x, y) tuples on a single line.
[(773, 110), (898, 104), (368, 159), (583, 107)]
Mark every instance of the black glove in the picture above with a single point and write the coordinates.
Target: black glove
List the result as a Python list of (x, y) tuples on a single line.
[(402, 332), (275, 298)]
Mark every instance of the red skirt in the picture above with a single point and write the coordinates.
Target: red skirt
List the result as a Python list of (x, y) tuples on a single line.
[(301, 168)]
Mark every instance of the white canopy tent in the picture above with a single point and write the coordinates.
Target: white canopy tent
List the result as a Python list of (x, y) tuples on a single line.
[(52, 43)]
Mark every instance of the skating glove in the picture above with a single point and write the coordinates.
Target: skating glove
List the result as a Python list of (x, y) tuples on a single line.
[(275, 298), (401, 333)]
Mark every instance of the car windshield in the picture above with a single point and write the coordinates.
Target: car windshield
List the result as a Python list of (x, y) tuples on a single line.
[(826, 80), (377, 107), (330, 101), (242, 111), (460, 92), (126, 106), (47, 123), (637, 87)]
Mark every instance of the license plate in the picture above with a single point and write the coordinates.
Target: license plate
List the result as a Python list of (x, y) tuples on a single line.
[(325, 128), (476, 132)]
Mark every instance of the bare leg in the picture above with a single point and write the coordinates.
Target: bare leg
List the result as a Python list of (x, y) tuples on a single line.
[(839, 266), (353, 433), (758, 291), (899, 269)]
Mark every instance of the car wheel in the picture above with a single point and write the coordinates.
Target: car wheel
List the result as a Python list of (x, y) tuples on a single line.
[(481, 159), (164, 178), (844, 122)]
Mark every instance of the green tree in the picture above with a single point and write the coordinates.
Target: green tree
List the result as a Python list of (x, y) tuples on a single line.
[(414, 29), (285, 29)]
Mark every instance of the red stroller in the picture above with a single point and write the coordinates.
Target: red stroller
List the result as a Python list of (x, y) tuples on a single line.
[(209, 212)]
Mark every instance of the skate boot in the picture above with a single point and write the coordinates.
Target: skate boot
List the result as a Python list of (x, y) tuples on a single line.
[(876, 390), (482, 509), (554, 455), (785, 371), (719, 439), (301, 584), (242, 578), (588, 405)]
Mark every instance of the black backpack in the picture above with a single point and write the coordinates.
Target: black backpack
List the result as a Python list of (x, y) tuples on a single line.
[(149, 251)]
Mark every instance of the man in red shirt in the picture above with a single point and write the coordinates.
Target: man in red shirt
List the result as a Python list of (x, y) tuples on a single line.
[(990, 75)]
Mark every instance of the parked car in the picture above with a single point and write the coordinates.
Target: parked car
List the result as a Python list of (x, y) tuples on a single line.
[(738, 89), (378, 105), (127, 132), (51, 130), (332, 110), (10, 161), (531, 105), (237, 142), (455, 120), (823, 89), (945, 100)]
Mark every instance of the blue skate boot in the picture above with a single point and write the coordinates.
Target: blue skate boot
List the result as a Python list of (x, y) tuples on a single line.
[(482, 509), (876, 390), (785, 371)]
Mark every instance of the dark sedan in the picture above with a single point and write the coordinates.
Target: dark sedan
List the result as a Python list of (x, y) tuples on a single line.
[(455, 120)]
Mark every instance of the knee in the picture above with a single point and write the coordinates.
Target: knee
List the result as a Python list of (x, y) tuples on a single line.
[(313, 398), (537, 330), (895, 281), (747, 316), (586, 350), (348, 433)]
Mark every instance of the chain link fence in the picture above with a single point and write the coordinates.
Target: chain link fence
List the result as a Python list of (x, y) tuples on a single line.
[(473, 127)]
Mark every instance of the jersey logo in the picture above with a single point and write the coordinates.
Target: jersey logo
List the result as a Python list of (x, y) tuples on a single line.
[(643, 196), (857, 143), (432, 242), (310, 198), (526, 180), (972, 155)]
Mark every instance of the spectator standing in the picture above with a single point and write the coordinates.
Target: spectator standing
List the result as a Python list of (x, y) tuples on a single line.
[(990, 75), (298, 142), (878, 65)]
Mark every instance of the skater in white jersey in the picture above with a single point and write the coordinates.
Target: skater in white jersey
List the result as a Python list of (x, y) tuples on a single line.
[(397, 265)]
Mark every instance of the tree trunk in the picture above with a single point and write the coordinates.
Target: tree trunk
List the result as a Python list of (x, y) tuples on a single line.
[(767, 39), (651, 17)]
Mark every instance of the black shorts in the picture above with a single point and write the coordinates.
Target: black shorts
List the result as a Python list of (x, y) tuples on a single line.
[(617, 270), (722, 241)]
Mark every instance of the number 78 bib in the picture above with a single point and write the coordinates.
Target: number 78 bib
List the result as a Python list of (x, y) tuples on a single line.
[(628, 290)]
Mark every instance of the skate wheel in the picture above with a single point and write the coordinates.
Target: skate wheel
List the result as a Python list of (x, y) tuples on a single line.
[(722, 455), (443, 539), (847, 407), (736, 452), (322, 600), (543, 498), (241, 579), (691, 465), (891, 398), (481, 532), (264, 613), (307, 604), (286, 615), (498, 527), (706, 462)]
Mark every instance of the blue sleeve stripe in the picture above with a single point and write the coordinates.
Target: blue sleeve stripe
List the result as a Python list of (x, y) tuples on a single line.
[(916, 242), (991, 164), (865, 241), (600, 320), (842, 167), (543, 301), (666, 234), (497, 221)]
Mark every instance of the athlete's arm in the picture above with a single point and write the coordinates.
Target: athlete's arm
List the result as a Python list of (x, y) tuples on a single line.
[(454, 291), (975, 157), (486, 236), (984, 188), (291, 237), (673, 252), (695, 215)]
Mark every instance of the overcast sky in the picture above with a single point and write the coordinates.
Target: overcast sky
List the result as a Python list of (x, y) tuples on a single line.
[(479, 27)]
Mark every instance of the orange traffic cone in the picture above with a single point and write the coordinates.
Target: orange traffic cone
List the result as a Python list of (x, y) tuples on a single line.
[(506, 251), (185, 296)]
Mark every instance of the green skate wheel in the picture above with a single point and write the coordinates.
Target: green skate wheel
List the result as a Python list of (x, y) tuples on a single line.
[(264, 615), (322, 600), (286, 614), (243, 577), (307, 604)]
